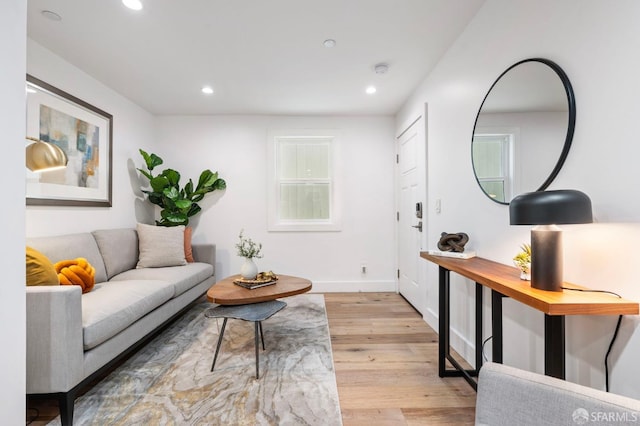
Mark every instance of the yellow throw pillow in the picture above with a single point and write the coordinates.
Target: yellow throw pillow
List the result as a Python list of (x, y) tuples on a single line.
[(40, 270), (76, 272)]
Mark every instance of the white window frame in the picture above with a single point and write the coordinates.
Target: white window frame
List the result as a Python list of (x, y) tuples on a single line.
[(277, 224), (510, 158)]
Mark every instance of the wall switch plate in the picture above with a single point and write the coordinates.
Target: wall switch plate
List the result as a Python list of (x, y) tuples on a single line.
[(438, 205)]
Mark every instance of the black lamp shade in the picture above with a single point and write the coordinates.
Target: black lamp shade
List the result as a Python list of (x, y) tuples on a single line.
[(558, 207)]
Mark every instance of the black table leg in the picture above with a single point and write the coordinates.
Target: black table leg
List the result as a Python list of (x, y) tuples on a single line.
[(478, 326), (261, 335), (215, 357), (444, 341), (443, 319), (554, 350), (257, 351), (496, 325)]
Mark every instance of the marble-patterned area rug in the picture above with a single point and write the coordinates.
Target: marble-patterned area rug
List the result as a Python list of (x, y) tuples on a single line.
[(169, 381)]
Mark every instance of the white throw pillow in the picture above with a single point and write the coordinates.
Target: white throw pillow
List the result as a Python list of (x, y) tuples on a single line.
[(160, 246)]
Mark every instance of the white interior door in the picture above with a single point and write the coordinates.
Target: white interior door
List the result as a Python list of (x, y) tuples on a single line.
[(411, 190)]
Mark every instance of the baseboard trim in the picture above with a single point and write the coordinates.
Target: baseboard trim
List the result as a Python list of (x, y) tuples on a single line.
[(353, 286)]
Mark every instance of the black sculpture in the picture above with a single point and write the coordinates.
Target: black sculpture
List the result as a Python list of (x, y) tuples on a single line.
[(453, 242)]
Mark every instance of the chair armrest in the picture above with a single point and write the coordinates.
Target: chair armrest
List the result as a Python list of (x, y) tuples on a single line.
[(204, 253), (510, 396), (54, 338)]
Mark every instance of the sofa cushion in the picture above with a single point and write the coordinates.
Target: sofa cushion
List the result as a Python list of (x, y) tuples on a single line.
[(112, 307), (40, 270), (119, 249), (70, 247), (181, 277), (160, 246)]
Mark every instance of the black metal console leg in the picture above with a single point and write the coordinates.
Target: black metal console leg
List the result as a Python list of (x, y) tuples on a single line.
[(215, 357), (478, 327), (496, 325), (554, 362), (443, 319)]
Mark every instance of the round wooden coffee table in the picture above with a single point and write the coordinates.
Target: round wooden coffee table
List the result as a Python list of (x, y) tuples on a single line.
[(225, 292)]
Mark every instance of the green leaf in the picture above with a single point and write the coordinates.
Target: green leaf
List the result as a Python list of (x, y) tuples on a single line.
[(151, 160), (207, 178), (195, 208), (176, 218), (145, 174), (156, 199), (172, 176), (220, 184), (184, 205), (188, 189), (171, 193), (159, 183)]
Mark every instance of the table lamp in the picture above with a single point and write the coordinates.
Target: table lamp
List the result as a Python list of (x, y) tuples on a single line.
[(546, 209)]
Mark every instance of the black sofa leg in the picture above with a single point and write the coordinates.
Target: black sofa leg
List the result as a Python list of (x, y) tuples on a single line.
[(65, 405)]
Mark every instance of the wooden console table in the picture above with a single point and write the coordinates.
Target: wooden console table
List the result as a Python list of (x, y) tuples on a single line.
[(504, 281)]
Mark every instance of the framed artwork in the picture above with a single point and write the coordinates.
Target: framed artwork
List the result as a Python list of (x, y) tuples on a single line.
[(84, 133)]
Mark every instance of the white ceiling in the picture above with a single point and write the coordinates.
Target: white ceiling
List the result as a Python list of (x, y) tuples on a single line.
[(260, 56)]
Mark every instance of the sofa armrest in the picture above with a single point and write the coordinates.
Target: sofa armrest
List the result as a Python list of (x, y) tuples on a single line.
[(54, 338), (204, 253), (510, 396)]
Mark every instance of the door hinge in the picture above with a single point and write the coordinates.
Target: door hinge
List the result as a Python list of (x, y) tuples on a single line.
[(398, 273), (397, 158), (398, 216)]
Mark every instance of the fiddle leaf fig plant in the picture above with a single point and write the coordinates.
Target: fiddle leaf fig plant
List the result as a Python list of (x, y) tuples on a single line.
[(178, 204)]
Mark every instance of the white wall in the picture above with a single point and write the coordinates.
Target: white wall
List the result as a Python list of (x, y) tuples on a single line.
[(595, 42), (236, 147), (133, 128), (13, 27)]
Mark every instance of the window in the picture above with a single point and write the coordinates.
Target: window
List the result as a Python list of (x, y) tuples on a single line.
[(303, 188), (492, 162)]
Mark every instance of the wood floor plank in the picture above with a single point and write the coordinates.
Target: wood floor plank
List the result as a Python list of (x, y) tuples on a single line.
[(386, 364)]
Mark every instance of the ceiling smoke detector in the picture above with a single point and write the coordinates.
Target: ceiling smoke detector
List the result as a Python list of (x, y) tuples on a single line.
[(381, 68), (329, 43), (51, 15)]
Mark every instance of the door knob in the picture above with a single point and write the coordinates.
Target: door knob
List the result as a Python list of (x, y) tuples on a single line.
[(419, 226)]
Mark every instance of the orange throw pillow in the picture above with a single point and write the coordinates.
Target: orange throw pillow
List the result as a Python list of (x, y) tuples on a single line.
[(76, 272), (188, 251)]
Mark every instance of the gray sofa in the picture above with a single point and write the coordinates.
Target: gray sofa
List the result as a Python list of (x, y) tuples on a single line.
[(73, 338), (509, 396)]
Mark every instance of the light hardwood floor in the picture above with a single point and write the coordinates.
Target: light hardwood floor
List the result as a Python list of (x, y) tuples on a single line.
[(386, 364), (386, 361)]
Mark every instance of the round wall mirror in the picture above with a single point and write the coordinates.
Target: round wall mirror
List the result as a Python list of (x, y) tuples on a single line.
[(523, 130)]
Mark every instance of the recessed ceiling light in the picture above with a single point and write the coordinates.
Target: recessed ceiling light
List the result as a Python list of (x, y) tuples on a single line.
[(51, 15), (371, 90), (329, 43), (133, 4), (207, 90)]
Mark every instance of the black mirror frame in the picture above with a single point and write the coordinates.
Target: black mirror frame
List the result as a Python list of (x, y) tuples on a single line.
[(571, 103)]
